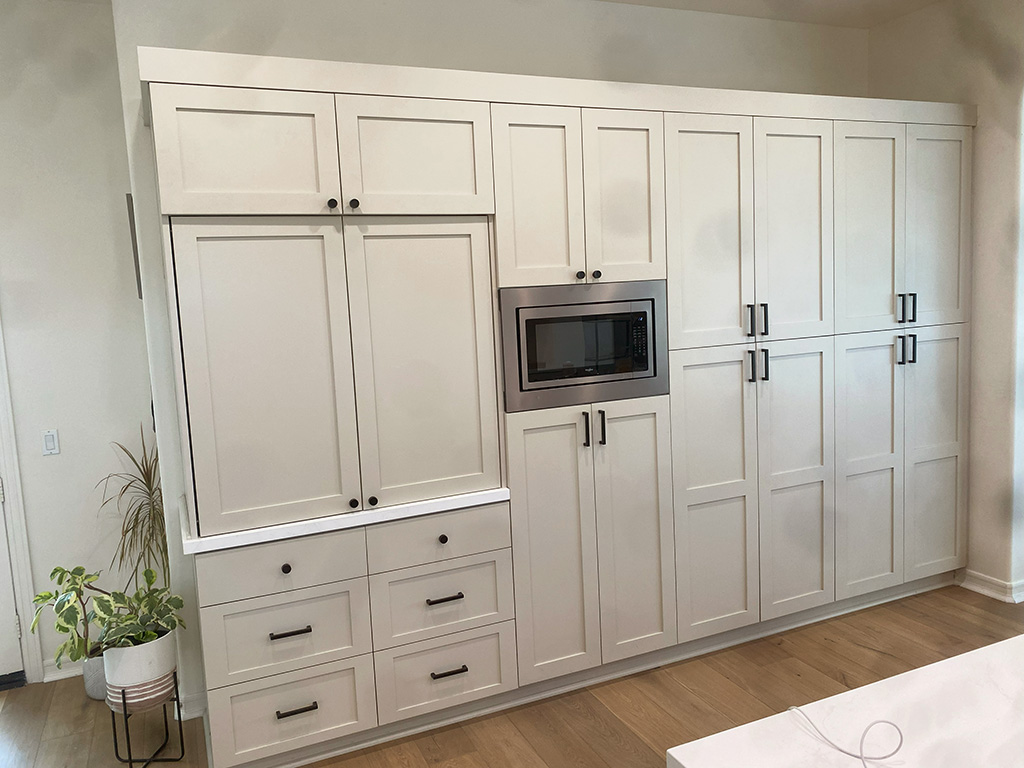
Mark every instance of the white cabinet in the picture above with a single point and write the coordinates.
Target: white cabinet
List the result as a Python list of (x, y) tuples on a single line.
[(793, 217), (870, 226), (423, 156), (714, 449), (796, 471), (265, 339), (244, 151), (420, 293)]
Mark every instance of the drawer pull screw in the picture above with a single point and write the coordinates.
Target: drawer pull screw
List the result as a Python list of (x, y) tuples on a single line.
[(443, 538), (286, 568)]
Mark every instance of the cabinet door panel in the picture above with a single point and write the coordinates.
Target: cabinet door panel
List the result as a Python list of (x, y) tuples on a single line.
[(424, 357), (714, 445), (636, 565), (268, 367), (870, 166), (538, 194), (624, 194), (554, 542)]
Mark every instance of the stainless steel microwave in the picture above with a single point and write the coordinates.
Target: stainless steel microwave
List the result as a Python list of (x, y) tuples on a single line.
[(586, 343)]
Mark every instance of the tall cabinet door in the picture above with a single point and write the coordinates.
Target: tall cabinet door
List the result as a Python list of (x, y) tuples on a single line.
[(939, 222), (796, 468), (870, 225), (710, 211), (793, 217), (936, 452), (424, 357), (554, 541), (268, 369), (869, 462), (714, 449), (624, 194), (636, 564), (538, 194)]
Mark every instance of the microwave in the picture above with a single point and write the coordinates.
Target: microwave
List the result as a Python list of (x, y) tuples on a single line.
[(585, 343)]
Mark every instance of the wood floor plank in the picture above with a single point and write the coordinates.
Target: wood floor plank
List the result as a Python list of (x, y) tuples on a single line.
[(62, 752), (778, 693), (501, 743), (588, 717), (445, 744), (823, 656), (70, 711), (652, 723), (550, 740), (22, 722), (734, 702), (867, 631), (805, 678), (702, 716), (1011, 611), (957, 614)]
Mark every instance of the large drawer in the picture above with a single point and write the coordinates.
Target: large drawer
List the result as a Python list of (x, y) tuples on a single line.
[(434, 674), (442, 536), (263, 636), (266, 569), (431, 600), (253, 720)]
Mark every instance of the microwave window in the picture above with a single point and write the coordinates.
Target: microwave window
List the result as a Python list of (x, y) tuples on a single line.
[(584, 346)]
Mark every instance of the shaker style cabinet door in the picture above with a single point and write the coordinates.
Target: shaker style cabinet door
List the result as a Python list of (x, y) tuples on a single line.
[(714, 449), (244, 151), (939, 223), (793, 227), (624, 194), (538, 194), (420, 292), (870, 226), (710, 213), (268, 370), (424, 156), (869, 461), (554, 541)]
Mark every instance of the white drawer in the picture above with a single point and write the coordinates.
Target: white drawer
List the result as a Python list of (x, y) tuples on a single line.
[(437, 599), (436, 537), (450, 670), (253, 720), (265, 569), (264, 636)]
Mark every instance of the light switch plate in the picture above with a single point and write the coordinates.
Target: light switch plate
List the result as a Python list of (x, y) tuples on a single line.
[(51, 442)]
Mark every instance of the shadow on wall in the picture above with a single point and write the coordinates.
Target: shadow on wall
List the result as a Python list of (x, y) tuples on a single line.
[(997, 50)]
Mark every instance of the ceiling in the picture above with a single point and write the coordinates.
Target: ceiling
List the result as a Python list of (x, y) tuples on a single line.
[(862, 14)]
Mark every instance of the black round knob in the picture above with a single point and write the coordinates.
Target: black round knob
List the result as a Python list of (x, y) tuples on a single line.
[(353, 203), (596, 274), (580, 275), (373, 501), (286, 568), (353, 503), (332, 203), (443, 538)]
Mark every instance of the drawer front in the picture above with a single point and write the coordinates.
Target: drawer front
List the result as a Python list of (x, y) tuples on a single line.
[(450, 670), (253, 720), (432, 600), (265, 636), (432, 538), (266, 569)]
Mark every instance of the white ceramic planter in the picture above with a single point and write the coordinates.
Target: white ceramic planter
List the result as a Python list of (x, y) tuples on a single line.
[(145, 673), (94, 678)]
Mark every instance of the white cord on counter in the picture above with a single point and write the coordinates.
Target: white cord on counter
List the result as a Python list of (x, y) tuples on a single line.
[(864, 759)]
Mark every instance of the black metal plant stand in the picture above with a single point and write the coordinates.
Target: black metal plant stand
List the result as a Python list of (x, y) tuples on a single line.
[(134, 762)]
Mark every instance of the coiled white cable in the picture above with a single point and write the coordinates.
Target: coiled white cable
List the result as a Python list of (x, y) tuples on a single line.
[(864, 759)]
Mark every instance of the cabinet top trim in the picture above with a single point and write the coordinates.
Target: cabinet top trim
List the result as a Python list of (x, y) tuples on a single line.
[(171, 65)]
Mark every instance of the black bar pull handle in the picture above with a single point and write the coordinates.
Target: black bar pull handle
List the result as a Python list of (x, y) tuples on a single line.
[(901, 308), (294, 633), (300, 711), (604, 428), (753, 366), (752, 310), (913, 349), (764, 375), (901, 351), (913, 307), (449, 599), (764, 314), (451, 672), (586, 429)]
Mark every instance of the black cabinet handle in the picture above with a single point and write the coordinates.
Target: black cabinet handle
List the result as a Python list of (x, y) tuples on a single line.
[(443, 538), (913, 307), (913, 349), (604, 428), (286, 568), (901, 353), (294, 633), (764, 376), (764, 316), (596, 274), (353, 503), (753, 320), (449, 599), (353, 203), (332, 203), (373, 501), (460, 671), (901, 309), (586, 429), (580, 275), (753, 366), (300, 711)]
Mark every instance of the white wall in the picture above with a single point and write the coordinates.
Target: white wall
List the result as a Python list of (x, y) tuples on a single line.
[(71, 318)]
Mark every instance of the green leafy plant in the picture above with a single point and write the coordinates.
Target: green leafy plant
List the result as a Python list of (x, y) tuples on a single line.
[(142, 617), (71, 605)]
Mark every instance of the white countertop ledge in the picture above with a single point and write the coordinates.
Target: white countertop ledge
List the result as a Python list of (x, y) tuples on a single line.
[(193, 546)]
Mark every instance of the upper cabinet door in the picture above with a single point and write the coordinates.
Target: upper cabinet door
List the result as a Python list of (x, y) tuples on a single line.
[(420, 290), (244, 151), (422, 156), (538, 194), (870, 236), (710, 193), (939, 223), (265, 341), (793, 227), (624, 194)]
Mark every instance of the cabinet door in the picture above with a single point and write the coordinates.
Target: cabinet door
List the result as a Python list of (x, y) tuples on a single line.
[(424, 357), (636, 564), (243, 151), (870, 237), (936, 450), (714, 445), (538, 194), (710, 194), (415, 155), (793, 226), (554, 541), (869, 462), (268, 370), (624, 194), (796, 469), (939, 222)]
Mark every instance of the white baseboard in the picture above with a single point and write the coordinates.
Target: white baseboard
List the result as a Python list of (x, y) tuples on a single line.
[(1007, 591)]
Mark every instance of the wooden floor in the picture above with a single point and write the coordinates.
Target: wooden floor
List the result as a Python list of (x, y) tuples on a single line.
[(625, 723)]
